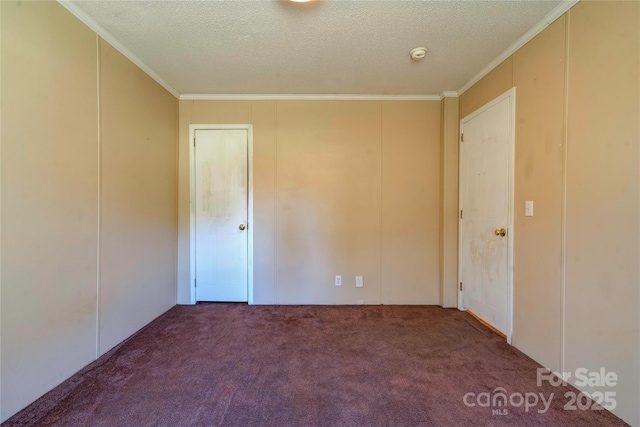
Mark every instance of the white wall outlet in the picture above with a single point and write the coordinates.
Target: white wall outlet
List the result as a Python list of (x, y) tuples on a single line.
[(338, 280), (360, 302), (359, 282), (528, 208)]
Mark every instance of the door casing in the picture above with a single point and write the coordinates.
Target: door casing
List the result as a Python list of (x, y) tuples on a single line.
[(192, 198), (511, 95)]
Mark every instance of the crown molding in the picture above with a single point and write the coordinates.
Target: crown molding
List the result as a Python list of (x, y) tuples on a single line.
[(338, 97), (549, 18), (109, 38), (449, 94)]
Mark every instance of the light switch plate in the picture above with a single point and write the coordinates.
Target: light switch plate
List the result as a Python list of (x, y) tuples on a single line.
[(528, 208), (359, 282)]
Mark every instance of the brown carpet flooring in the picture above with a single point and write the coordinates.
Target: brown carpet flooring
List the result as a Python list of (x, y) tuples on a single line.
[(239, 365)]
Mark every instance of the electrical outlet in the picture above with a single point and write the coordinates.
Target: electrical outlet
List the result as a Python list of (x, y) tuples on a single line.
[(338, 280), (360, 302), (359, 282)]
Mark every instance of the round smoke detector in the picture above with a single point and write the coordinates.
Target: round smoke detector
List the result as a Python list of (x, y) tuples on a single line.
[(418, 53)]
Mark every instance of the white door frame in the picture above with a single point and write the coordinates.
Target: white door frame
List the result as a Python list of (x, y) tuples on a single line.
[(192, 198), (511, 95)]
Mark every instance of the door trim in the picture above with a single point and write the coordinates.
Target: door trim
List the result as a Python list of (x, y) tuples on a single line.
[(192, 197), (511, 95)]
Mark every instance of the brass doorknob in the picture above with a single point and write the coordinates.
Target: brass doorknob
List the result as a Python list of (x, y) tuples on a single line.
[(242, 226), (500, 232)]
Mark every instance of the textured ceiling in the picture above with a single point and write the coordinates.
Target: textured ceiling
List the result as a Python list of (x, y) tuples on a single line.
[(323, 47)]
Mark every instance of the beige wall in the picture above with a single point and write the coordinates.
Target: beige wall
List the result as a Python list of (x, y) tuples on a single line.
[(603, 191), (449, 146), (341, 188), (497, 82), (410, 202), (328, 201), (49, 199), (51, 177), (138, 245), (539, 79), (577, 141)]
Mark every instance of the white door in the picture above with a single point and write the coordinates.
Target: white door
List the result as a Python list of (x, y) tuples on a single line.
[(221, 242), (485, 204)]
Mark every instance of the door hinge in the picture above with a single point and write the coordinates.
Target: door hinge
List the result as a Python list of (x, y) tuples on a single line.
[(460, 285), (462, 137), (195, 283), (194, 142), (460, 213)]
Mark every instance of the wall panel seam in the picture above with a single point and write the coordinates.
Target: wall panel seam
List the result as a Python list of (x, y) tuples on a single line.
[(443, 222), (177, 199), (381, 210), (192, 119), (565, 137), (99, 230), (275, 205)]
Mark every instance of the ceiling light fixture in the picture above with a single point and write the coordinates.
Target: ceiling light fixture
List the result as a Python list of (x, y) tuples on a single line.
[(418, 53)]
